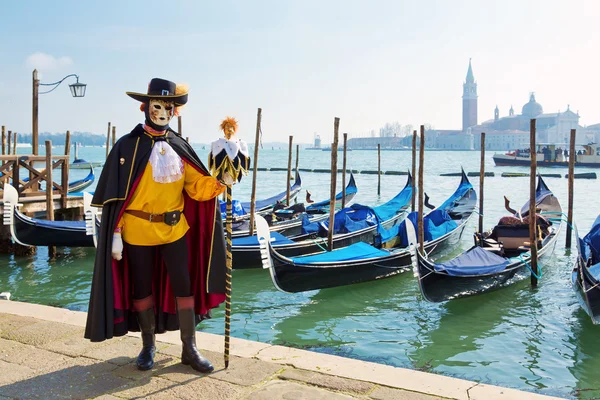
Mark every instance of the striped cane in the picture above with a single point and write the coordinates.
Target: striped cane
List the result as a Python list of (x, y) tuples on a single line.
[(228, 266)]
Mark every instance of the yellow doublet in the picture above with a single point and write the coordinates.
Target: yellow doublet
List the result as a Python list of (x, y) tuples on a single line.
[(158, 198)]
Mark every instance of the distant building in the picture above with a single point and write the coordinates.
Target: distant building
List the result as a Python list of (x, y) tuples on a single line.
[(502, 133), (512, 131), (469, 115)]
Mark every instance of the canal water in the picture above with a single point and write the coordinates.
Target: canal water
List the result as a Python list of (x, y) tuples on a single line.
[(531, 339)]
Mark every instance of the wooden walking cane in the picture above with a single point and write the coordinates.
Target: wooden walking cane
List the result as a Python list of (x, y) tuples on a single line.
[(228, 160)]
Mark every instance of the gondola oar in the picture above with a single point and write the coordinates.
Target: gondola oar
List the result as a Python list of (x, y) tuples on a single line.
[(228, 159)]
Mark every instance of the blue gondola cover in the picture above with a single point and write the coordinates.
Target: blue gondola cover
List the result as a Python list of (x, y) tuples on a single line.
[(476, 261), (354, 252), (237, 209), (276, 238)]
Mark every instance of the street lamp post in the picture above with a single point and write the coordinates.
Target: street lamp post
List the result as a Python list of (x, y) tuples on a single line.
[(77, 90)]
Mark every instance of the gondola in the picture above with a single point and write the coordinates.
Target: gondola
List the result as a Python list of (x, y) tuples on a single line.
[(354, 224), (293, 227), (37, 232), (79, 185), (241, 209), (586, 273), (361, 262), (323, 206), (499, 257)]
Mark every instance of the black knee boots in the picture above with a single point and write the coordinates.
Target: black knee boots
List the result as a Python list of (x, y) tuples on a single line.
[(145, 316), (187, 326)]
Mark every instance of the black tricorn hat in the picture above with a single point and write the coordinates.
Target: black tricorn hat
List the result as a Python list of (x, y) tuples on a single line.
[(161, 89)]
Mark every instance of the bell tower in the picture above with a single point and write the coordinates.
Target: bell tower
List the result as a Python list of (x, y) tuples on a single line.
[(469, 100)]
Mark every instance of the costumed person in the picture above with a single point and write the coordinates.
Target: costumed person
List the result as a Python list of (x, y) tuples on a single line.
[(160, 261)]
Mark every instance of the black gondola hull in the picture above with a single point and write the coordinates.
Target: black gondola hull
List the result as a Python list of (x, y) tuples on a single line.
[(438, 287), (33, 233), (588, 290)]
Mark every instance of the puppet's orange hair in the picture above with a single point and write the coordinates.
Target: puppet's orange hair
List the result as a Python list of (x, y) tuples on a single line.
[(229, 121)]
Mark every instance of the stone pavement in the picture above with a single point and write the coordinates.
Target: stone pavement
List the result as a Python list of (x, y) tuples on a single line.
[(43, 356)]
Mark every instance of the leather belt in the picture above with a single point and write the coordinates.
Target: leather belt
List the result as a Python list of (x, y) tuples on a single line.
[(169, 218)]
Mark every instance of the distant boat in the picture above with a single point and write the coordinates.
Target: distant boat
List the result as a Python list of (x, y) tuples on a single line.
[(339, 149), (549, 156), (80, 163)]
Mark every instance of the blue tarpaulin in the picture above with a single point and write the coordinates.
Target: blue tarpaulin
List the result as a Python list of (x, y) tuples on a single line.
[(357, 217), (591, 242), (437, 223), (476, 261), (253, 241), (237, 209), (356, 251)]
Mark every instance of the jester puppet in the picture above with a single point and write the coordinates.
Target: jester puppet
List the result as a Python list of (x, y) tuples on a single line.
[(160, 262)]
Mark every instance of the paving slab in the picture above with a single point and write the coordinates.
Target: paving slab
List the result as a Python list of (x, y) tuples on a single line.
[(73, 346), (130, 370), (386, 393), (150, 388), (29, 356), (119, 351), (80, 378), (43, 332), (12, 373), (9, 322), (276, 390), (246, 371), (105, 397), (207, 388), (327, 381)]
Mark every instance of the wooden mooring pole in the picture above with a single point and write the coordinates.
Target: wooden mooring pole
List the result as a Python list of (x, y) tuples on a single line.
[(49, 193), (421, 237), (114, 135), (334, 149), (254, 172), (108, 140), (65, 171), (289, 172), (414, 171), (344, 172), (14, 142), (179, 126), (3, 141), (378, 169), (481, 178), (532, 205), (297, 160), (572, 156), (9, 142)]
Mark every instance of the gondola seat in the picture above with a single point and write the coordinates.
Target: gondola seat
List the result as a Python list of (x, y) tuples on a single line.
[(511, 236)]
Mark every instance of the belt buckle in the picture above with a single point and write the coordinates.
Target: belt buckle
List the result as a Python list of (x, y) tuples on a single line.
[(152, 216)]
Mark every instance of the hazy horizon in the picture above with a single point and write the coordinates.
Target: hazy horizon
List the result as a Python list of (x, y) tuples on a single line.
[(303, 63)]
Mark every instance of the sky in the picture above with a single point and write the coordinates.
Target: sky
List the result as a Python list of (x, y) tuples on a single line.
[(303, 62)]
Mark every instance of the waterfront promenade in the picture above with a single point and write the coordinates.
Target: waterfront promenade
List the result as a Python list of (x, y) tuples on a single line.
[(43, 356)]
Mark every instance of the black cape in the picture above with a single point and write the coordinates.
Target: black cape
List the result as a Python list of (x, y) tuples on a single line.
[(110, 312)]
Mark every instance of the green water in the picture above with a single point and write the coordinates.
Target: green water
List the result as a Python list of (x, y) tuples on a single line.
[(531, 339)]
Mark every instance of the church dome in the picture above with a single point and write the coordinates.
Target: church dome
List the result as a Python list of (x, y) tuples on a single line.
[(533, 108)]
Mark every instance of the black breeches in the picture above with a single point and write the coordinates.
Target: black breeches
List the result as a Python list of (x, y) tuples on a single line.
[(141, 261)]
